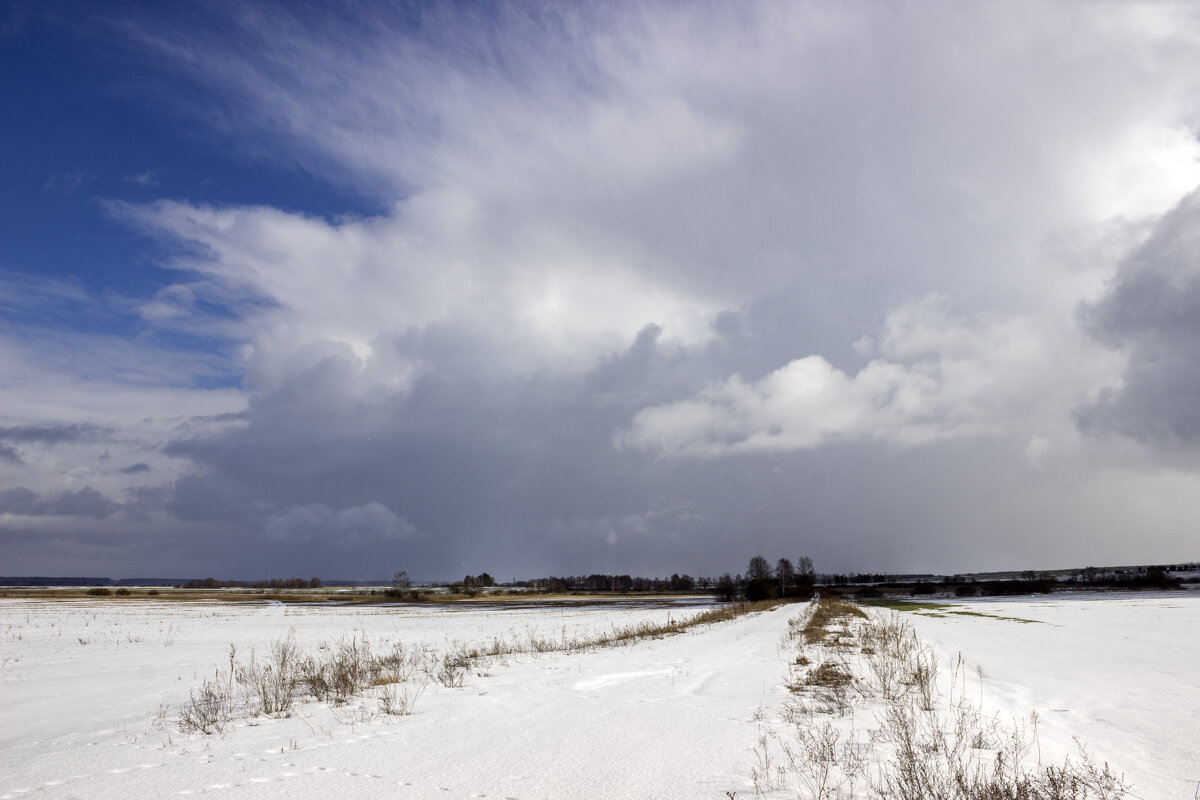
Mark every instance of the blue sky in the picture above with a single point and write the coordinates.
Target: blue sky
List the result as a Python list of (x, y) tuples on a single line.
[(618, 287), (86, 126)]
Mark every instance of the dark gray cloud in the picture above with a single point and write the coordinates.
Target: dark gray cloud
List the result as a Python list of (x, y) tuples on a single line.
[(53, 434), (86, 502), (517, 474), (1151, 310), (18, 501), (134, 469), (10, 454)]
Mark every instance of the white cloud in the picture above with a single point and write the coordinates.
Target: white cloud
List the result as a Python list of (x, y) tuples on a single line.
[(125, 391), (597, 172), (552, 182), (936, 377)]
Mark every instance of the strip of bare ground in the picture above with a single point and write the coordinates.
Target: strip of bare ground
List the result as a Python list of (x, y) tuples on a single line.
[(921, 745)]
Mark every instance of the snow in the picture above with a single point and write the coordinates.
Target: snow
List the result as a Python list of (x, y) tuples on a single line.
[(672, 717), (1121, 671), (668, 717)]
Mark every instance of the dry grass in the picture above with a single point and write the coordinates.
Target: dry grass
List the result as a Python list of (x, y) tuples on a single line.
[(338, 673), (924, 746), (829, 674), (825, 613)]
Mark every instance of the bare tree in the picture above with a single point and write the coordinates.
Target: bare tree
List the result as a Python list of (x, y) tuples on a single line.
[(400, 582), (759, 569), (784, 572), (804, 566)]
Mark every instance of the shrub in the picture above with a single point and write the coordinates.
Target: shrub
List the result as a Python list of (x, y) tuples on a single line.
[(453, 668), (272, 684), (399, 702), (400, 663), (761, 589), (341, 675), (210, 709), (99, 591), (122, 592)]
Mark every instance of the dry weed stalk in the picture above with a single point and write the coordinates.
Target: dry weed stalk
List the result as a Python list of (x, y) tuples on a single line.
[(337, 674), (925, 747)]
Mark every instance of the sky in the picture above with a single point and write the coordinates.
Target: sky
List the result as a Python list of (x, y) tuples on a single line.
[(556, 288)]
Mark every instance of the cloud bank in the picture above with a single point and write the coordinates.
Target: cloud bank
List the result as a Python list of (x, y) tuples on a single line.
[(649, 288)]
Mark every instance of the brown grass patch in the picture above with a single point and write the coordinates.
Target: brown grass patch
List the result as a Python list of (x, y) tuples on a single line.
[(828, 675), (826, 612)]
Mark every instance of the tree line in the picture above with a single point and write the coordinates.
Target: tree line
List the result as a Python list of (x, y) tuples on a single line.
[(273, 583), (763, 581)]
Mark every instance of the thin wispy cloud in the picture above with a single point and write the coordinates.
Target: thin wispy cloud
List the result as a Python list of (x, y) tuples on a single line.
[(147, 179), (67, 182)]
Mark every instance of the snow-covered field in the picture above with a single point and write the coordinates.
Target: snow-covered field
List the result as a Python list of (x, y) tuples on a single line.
[(1121, 672), (89, 692)]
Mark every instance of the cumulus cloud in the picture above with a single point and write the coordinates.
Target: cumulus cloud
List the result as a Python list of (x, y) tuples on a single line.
[(935, 377), (1151, 311), (577, 176), (645, 285)]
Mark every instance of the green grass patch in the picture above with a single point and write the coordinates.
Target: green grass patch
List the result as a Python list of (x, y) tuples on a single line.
[(935, 610), (990, 616), (896, 604)]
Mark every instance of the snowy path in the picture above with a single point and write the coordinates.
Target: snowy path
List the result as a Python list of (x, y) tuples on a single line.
[(662, 718)]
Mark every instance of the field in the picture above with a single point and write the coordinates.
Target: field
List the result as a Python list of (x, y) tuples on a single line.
[(92, 692), (1122, 672)]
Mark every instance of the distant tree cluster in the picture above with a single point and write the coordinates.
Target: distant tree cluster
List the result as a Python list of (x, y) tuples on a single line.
[(761, 581), (764, 582), (1157, 577), (597, 582), (854, 578), (472, 583), (273, 583)]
